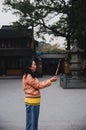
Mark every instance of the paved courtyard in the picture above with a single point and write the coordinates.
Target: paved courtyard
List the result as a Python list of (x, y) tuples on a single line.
[(61, 109)]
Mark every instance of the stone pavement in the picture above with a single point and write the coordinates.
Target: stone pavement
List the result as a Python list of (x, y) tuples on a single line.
[(61, 109)]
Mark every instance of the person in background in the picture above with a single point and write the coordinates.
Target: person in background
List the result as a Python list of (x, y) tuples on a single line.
[(32, 86)]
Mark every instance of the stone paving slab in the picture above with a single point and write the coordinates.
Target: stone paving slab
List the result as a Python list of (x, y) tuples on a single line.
[(61, 109)]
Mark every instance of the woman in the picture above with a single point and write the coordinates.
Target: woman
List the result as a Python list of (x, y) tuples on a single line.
[(32, 87)]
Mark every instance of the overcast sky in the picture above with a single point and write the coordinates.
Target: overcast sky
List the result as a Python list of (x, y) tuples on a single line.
[(8, 18)]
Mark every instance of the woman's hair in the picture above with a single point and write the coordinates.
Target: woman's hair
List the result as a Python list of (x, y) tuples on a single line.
[(26, 69)]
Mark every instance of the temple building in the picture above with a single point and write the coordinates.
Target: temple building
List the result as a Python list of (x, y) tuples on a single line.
[(16, 46)]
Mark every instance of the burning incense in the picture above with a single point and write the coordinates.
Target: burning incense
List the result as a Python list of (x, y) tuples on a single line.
[(57, 69)]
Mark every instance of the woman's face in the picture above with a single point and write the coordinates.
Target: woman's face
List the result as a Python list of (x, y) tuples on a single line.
[(33, 66)]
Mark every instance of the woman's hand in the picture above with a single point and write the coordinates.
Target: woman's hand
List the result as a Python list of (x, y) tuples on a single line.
[(53, 79)]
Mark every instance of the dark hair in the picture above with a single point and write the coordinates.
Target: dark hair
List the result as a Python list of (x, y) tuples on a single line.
[(26, 69)]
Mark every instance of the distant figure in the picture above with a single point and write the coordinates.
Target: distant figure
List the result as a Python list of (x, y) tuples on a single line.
[(32, 87)]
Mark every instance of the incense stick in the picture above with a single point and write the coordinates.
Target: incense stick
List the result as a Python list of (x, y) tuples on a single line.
[(57, 69)]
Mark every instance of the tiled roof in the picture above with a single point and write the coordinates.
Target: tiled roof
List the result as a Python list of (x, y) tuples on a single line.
[(15, 52), (15, 32)]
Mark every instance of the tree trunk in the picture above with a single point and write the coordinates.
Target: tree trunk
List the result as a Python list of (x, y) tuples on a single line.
[(68, 42)]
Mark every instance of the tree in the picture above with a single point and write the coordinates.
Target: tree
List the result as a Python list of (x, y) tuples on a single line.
[(61, 13), (38, 13), (47, 48), (80, 20)]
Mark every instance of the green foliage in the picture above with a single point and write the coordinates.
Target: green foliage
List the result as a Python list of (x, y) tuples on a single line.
[(50, 48)]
